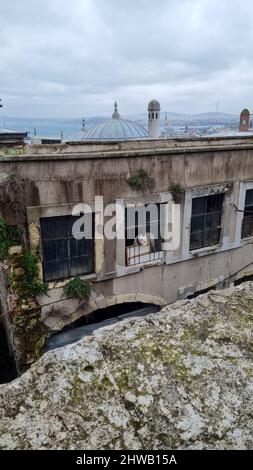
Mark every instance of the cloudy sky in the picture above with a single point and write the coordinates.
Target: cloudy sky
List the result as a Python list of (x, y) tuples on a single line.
[(62, 58)]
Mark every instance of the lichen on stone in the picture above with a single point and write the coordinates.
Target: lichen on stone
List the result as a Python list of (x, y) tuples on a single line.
[(181, 378)]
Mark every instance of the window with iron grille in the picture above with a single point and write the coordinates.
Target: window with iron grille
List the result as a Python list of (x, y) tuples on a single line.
[(247, 223), (206, 221), (149, 224), (63, 255)]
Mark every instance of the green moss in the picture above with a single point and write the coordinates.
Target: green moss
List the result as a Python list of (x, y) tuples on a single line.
[(177, 192), (39, 345), (27, 283), (7, 239), (78, 288), (232, 360), (29, 337), (141, 180)]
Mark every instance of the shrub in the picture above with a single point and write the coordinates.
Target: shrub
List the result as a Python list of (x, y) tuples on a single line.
[(141, 180), (177, 192), (78, 288), (28, 283)]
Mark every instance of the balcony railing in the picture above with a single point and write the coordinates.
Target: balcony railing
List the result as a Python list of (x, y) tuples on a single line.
[(138, 254)]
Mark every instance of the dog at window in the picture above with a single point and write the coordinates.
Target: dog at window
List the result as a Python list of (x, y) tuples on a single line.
[(145, 240)]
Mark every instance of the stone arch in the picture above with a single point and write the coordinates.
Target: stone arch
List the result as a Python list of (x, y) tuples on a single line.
[(103, 302), (62, 314)]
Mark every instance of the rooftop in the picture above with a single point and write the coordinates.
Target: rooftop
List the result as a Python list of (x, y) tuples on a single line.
[(119, 149), (11, 136)]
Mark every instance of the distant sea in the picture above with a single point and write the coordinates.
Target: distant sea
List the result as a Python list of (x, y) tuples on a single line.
[(53, 127), (47, 127)]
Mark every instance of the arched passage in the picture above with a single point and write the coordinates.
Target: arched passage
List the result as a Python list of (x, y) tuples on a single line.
[(99, 318)]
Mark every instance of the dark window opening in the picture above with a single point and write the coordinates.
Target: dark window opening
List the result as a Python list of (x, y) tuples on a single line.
[(63, 255), (247, 223), (50, 141), (206, 221)]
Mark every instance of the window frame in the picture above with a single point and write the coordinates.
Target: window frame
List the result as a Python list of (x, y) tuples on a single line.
[(244, 215), (66, 239), (205, 214), (141, 253)]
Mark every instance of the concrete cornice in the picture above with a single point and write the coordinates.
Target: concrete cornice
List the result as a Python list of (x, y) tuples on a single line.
[(177, 147)]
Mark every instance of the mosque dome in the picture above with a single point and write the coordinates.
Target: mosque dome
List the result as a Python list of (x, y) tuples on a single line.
[(79, 135), (115, 128), (154, 106)]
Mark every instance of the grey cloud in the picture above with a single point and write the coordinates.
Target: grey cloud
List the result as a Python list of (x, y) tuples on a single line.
[(74, 58)]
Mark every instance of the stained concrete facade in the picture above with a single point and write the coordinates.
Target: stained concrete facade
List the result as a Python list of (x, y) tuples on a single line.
[(57, 177)]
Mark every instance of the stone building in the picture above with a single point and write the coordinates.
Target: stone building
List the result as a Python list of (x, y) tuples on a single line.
[(210, 178)]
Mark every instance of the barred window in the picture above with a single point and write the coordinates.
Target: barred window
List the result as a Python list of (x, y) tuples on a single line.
[(63, 255), (247, 223), (145, 223), (206, 221)]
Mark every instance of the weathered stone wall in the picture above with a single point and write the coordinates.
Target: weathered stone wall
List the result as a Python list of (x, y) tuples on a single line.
[(181, 378), (7, 361), (25, 331), (58, 176)]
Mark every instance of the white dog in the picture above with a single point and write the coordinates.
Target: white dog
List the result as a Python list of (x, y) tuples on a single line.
[(145, 240)]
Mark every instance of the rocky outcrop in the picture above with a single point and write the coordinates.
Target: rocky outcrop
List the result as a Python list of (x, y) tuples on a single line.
[(181, 378)]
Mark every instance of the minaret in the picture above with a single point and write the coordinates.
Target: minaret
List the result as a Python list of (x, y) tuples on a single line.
[(83, 128), (244, 120), (154, 109)]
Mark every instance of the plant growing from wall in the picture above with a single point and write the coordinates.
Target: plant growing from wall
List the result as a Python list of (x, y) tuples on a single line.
[(14, 151), (12, 192), (4, 241), (141, 180), (78, 288), (27, 282), (177, 192), (9, 236)]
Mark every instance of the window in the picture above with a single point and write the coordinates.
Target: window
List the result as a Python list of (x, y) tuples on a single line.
[(206, 221), (50, 141), (145, 222), (63, 255), (247, 223)]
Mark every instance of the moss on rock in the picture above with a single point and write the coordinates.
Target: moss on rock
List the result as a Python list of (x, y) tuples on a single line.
[(181, 378)]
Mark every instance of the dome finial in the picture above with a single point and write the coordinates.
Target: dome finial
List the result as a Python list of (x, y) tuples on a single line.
[(115, 114), (83, 128)]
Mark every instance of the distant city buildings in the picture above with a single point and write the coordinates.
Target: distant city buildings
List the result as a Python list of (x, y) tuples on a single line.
[(154, 124), (12, 137)]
